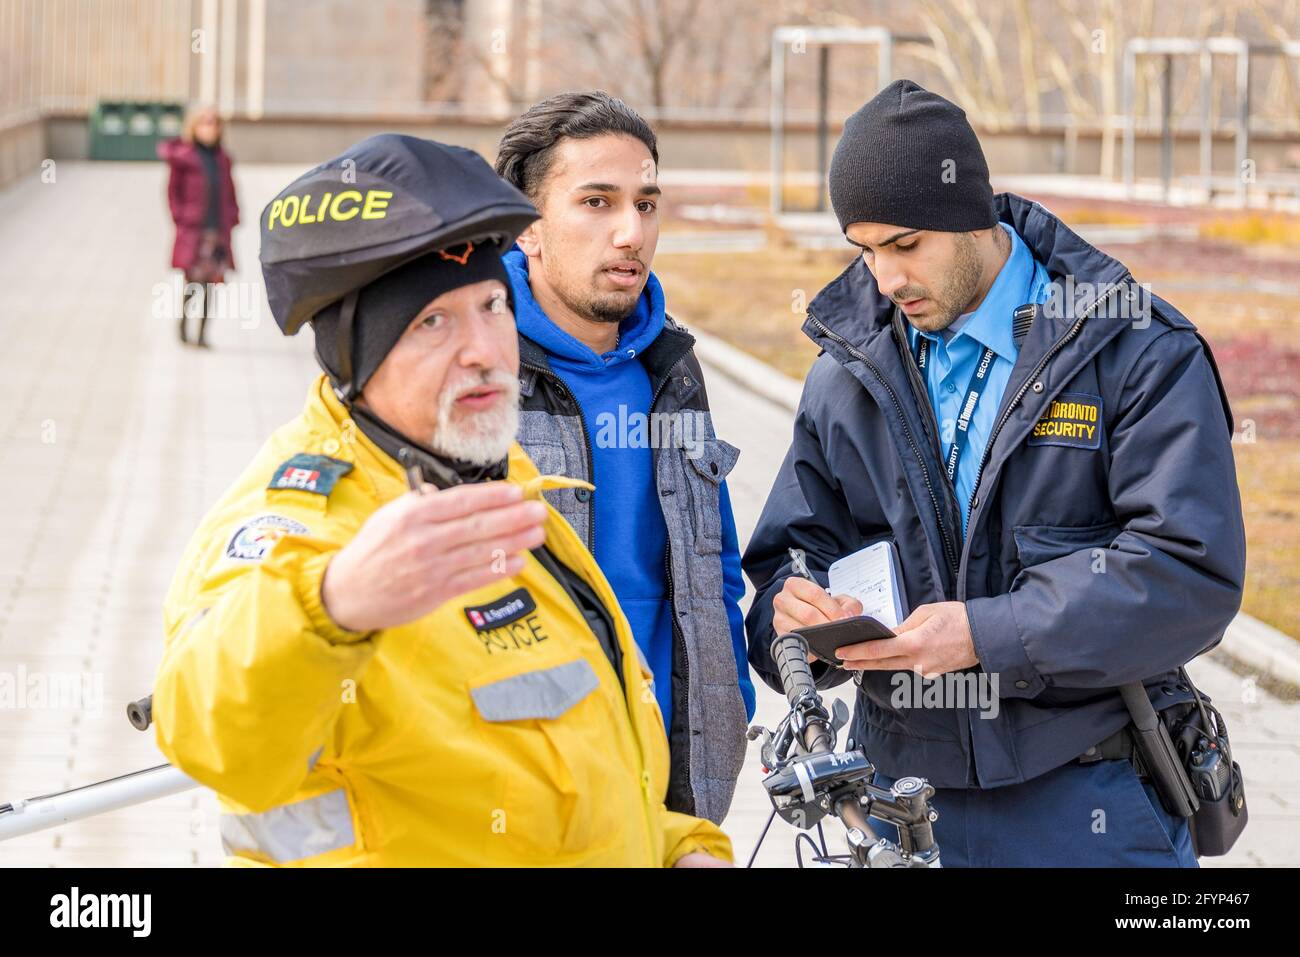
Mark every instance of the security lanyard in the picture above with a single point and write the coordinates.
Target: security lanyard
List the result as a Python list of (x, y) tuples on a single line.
[(974, 389)]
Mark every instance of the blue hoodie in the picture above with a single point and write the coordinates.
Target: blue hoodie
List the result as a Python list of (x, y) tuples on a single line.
[(626, 509)]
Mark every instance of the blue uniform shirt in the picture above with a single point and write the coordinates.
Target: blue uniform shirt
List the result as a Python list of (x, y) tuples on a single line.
[(955, 352)]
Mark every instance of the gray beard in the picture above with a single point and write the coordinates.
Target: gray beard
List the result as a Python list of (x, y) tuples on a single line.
[(482, 439)]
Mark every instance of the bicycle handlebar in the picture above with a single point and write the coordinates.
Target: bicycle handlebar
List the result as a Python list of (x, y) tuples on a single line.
[(811, 782), (790, 653)]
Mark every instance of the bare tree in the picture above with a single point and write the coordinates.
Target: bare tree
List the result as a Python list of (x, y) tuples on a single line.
[(1280, 22), (648, 32), (444, 30), (1026, 36), (1007, 62)]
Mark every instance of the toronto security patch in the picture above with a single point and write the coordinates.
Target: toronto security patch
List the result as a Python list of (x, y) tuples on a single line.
[(1073, 419)]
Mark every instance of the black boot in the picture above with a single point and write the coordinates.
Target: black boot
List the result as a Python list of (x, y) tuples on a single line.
[(193, 297)]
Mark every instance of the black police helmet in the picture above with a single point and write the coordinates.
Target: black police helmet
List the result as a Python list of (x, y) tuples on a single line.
[(386, 201)]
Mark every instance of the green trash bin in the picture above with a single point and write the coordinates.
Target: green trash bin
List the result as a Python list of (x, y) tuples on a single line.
[(132, 130)]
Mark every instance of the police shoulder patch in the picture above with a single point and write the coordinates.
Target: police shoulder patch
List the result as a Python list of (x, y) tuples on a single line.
[(310, 473), (1073, 419), (257, 536)]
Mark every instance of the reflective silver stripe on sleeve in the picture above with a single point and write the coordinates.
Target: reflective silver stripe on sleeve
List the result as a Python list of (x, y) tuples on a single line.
[(640, 656), (545, 694), (645, 665), (292, 832)]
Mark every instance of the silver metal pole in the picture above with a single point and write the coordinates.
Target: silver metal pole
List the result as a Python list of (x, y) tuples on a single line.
[(1130, 74), (1207, 134), (208, 59), (256, 58), (1166, 126), (823, 129), (1243, 119), (777, 120), (228, 48), (52, 810)]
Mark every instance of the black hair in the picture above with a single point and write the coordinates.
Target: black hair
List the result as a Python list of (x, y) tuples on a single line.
[(528, 147)]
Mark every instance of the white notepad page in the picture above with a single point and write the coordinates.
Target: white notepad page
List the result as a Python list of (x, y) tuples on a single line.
[(872, 576)]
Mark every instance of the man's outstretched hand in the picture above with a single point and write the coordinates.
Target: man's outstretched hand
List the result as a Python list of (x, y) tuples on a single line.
[(425, 548)]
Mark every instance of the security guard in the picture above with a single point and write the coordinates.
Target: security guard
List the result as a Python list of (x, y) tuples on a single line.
[(374, 674), (1049, 451)]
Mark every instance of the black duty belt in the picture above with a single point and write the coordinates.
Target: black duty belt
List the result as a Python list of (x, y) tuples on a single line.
[(1118, 745)]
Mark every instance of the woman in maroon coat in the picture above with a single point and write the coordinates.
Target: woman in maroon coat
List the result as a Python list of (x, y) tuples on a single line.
[(201, 194)]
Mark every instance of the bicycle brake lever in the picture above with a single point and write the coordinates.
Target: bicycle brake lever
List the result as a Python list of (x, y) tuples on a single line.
[(767, 752), (839, 716)]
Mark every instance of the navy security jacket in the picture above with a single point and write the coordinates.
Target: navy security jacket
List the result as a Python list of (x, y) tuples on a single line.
[(1094, 557)]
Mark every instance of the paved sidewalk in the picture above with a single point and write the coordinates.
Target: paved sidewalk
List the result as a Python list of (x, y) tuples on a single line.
[(114, 440)]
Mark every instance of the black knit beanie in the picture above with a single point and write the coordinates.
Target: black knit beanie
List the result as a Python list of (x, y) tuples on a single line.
[(386, 306), (909, 158)]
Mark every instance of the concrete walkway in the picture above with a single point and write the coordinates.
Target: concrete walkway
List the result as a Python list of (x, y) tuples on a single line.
[(114, 440)]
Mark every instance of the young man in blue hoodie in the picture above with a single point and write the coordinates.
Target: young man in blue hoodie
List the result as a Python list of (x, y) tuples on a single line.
[(611, 392)]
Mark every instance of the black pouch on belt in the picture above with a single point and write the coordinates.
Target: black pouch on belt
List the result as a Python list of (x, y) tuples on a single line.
[(1186, 752), (1201, 738)]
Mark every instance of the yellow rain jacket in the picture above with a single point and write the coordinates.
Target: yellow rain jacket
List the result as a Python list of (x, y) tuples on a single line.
[(492, 731)]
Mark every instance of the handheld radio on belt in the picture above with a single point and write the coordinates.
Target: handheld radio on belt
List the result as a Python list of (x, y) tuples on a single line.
[(1192, 769)]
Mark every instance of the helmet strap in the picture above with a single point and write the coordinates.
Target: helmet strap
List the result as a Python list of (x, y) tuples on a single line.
[(347, 313)]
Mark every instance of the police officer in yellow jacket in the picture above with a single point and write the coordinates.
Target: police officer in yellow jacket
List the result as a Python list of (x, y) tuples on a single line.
[(368, 674)]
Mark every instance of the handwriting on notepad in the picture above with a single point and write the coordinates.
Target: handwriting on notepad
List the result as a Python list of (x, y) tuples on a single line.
[(871, 575)]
